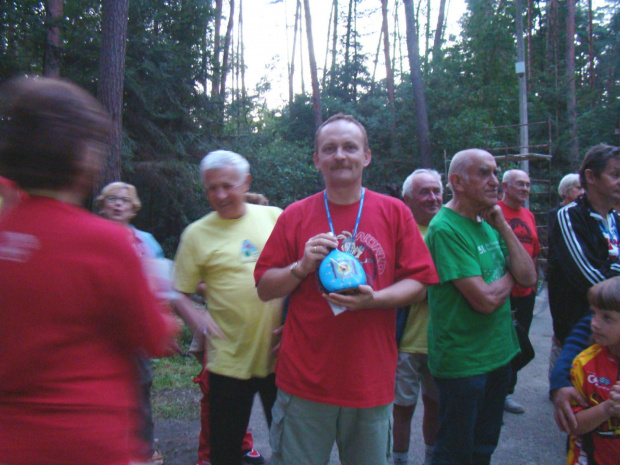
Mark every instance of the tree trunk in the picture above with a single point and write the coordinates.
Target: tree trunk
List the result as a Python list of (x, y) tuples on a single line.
[(345, 76), (376, 61), (53, 46), (398, 40), (427, 34), (418, 86), (301, 52), (111, 79), (291, 94), (552, 34), (551, 59), (590, 45), (439, 30), (389, 74), (227, 49), (215, 78), (529, 40), (329, 31), (242, 57), (355, 55), (316, 96), (334, 44), (235, 65), (571, 100)]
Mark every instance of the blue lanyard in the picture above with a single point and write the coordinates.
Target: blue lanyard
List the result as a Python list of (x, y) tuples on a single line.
[(359, 214)]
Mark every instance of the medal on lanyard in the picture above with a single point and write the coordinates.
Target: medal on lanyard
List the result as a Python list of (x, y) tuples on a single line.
[(340, 271)]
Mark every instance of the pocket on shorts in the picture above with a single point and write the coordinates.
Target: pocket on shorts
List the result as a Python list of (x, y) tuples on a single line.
[(277, 422)]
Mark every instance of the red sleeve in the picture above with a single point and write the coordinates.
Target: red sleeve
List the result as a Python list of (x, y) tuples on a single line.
[(280, 250)]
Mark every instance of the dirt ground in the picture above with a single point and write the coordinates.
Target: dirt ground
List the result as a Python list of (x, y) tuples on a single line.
[(178, 440)]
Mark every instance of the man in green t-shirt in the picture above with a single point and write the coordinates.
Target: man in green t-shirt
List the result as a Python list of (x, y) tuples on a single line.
[(471, 337)]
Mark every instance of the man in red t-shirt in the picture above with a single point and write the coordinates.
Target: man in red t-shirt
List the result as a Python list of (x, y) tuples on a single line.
[(336, 366), (516, 185)]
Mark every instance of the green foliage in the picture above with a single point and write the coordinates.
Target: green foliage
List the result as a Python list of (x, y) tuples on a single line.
[(164, 63), (81, 36), (172, 197), (284, 172), (22, 37)]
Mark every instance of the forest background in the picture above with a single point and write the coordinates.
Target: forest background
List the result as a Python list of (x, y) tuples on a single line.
[(172, 74)]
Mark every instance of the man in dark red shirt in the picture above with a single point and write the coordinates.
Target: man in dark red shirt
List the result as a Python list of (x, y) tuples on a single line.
[(516, 185)]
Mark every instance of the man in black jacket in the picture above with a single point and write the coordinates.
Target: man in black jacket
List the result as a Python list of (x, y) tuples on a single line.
[(584, 240)]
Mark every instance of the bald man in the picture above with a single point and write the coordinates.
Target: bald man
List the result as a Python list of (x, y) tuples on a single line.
[(471, 337)]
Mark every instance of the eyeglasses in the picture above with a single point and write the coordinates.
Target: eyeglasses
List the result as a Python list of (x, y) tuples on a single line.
[(521, 184), (125, 200)]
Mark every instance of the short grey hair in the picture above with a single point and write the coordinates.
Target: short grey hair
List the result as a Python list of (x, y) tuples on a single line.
[(509, 174), (221, 158), (567, 183), (409, 181)]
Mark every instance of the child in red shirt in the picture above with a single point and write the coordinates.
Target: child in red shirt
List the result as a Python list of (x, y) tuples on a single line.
[(595, 374)]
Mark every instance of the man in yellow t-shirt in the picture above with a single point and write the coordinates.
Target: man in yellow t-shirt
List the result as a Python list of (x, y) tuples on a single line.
[(221, 249), (423, 194)]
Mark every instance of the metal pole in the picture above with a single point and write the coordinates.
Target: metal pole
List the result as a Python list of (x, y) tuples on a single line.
[(522, 76)]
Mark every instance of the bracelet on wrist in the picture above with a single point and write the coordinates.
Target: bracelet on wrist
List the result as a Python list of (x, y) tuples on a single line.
[(295, 272)]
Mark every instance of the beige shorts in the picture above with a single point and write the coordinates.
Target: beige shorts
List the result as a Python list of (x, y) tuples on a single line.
[(411, 373), (303, 433)]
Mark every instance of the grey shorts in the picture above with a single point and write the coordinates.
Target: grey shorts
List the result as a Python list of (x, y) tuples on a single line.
[(411, 373), (303, 433)]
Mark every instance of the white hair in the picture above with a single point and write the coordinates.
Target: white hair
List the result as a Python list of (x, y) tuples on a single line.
[(508, 175), (221, 158), (567, 183), (409, 181)]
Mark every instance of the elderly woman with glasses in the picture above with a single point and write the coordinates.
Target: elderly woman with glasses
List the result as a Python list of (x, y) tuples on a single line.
[(119, 202)]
